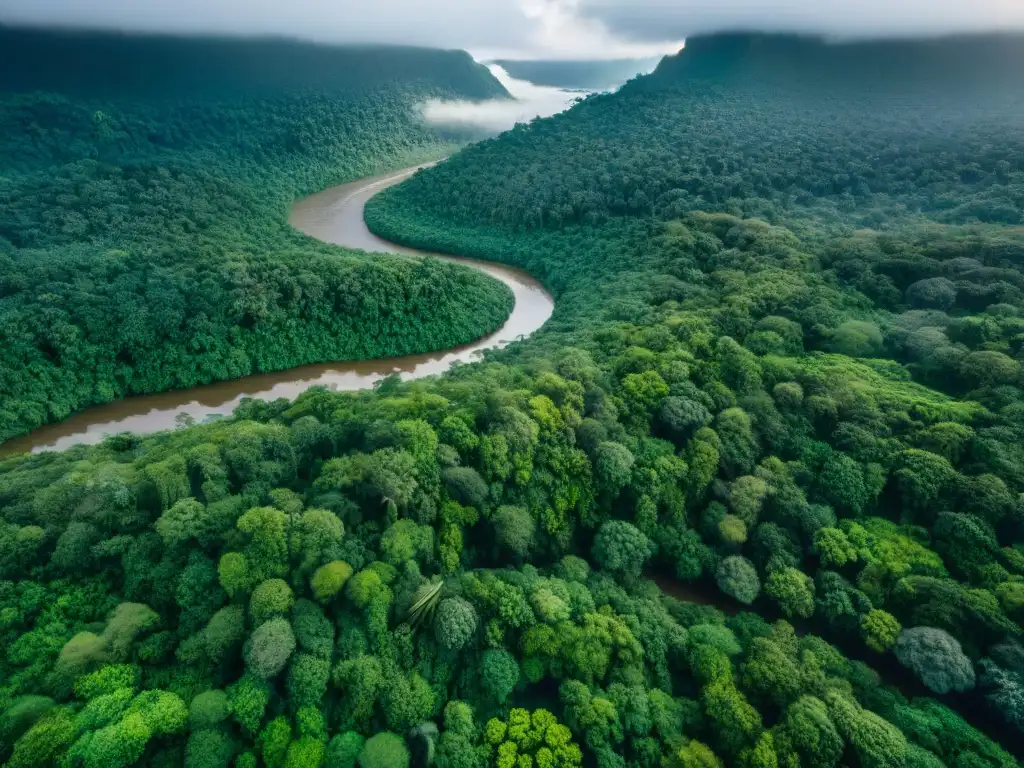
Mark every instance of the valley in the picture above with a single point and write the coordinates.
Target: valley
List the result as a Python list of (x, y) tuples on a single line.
[(334, 216), (706, 451)]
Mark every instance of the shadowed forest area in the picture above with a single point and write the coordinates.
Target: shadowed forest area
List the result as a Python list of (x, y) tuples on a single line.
[(784, 365)]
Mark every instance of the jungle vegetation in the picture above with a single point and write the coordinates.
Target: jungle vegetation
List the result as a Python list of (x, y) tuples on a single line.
[(783, 372), (143, 235)]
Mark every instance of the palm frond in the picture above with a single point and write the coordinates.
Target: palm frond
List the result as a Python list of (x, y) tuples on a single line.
[(424, 603)]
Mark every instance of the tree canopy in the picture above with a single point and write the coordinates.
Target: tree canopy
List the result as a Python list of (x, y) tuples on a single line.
[(739, 395)]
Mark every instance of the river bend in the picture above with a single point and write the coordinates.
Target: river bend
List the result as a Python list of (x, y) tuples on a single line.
[(333, 216)]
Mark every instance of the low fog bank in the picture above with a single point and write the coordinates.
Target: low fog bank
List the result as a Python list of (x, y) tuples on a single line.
[(528, 101)]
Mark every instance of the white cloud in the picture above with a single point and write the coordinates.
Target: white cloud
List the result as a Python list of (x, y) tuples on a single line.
[(529, 101)]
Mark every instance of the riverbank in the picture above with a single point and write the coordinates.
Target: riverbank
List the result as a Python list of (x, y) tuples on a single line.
[(333, 216)]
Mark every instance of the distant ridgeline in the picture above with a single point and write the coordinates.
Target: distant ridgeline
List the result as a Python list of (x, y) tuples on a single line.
[(578, 75), (144, 190), (882, 67), (776, 127), (151, 67)]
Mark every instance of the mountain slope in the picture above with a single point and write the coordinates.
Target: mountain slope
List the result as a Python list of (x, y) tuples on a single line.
[(821, 233), (148, 66), (948, 64), (723, 126)]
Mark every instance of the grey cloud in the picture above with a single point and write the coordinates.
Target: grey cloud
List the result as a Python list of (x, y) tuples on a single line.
[(490, 28), (528, 101), (493, 29), (661, 19)]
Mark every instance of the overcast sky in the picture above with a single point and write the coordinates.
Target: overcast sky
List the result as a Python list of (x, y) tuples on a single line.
[(526, 28)]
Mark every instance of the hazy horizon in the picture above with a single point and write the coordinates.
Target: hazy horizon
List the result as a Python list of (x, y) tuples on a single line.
[(522, 29), (529, 101)]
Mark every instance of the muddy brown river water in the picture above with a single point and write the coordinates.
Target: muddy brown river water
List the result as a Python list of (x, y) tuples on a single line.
[(334, 216)]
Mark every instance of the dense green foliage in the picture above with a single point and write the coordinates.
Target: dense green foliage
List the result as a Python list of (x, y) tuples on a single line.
[(939, 137), (450, 571), (143, 242), (787, 357), (91, 63), (229, 592)]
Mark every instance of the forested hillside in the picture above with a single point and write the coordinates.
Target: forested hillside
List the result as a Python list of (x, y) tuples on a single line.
[(148, 67), (144, 192), (744, 125), (787, 252), (811, 419)]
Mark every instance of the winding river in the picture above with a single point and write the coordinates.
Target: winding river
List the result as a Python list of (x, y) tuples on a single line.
[(334, 216)]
